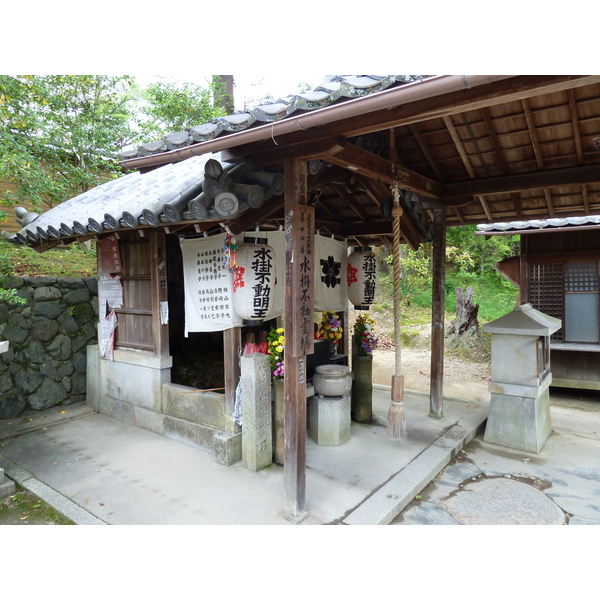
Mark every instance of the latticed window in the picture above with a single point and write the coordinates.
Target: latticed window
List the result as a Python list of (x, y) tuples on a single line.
[(568, 291), (546, 291)]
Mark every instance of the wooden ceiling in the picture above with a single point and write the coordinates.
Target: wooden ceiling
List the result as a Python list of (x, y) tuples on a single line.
[(525, 147)]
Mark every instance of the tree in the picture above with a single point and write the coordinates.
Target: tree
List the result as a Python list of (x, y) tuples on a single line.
[(60, 134), (172, 107)]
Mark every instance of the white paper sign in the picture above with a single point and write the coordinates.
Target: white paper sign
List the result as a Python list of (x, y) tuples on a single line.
[(277, 242), (331, 264), (208, 286)]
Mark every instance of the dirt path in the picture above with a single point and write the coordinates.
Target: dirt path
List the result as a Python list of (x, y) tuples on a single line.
[(462, 379)]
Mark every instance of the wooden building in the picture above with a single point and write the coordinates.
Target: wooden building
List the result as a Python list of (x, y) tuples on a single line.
[(558, 274), (374, 160)]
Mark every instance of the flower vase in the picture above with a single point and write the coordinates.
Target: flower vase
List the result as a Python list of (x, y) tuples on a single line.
[(361, 407), (332, 349), (277, 395)]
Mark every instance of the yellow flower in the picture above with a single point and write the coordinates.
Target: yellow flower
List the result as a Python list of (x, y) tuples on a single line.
[(280, 330)]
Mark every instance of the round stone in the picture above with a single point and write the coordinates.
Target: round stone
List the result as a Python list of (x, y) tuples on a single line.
[(502, 501)]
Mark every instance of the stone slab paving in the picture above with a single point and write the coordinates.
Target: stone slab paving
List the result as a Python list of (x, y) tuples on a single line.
[(487, 484)]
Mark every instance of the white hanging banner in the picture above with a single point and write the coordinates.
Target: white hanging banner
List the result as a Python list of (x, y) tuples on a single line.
[(331, 264), (208, 286), (277, 242)]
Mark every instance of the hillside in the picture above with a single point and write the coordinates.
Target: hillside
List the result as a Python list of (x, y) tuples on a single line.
[(64, 261)]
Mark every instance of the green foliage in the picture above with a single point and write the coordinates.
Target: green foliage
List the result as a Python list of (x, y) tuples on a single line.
[(470, 262), (63, 261), (60, 134), (174, 107)]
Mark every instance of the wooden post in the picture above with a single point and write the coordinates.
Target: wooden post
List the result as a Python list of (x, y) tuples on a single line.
[(298, 319), (436, 389)]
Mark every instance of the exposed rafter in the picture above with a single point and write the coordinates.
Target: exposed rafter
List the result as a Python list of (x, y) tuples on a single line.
[(522, 181)]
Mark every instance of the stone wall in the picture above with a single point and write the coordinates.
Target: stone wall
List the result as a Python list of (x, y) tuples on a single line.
[(46, 361)]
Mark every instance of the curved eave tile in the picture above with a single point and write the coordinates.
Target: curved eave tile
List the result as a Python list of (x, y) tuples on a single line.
[(205, 132), (237, 122)]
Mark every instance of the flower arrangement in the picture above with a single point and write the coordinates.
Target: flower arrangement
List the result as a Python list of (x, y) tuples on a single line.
[(364, 336), (276, 341), (330, 327)]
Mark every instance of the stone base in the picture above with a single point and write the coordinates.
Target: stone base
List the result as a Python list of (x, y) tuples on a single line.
[(519, 422), (329, 420), (7, 486)]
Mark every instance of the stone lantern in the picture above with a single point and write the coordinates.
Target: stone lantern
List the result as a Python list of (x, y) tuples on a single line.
[(520, 398)]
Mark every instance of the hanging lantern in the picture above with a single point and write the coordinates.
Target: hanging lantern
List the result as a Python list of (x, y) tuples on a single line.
[(362, 278), (253, 280)]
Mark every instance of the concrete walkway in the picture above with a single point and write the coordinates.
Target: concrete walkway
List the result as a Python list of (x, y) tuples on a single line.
[(97, 470)]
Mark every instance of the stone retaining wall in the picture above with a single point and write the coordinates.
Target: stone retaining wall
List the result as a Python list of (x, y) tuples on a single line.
[(45, 364)]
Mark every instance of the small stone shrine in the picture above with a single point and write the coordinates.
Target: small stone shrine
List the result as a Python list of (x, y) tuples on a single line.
[(520, 399), (329, 408)]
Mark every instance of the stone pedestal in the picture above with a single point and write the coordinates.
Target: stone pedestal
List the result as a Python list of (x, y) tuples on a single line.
[(257, 443), (329, 419), (519, 421), (278, 411), (7, 486), (362, 388)]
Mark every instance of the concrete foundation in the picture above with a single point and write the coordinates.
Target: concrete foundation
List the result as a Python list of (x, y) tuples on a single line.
[(329, 423), (135, 388), (519, 422)]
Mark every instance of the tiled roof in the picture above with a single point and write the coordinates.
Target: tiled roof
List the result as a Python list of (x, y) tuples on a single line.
[(517, 227), (199, 188), (195, 189), (330, 92)]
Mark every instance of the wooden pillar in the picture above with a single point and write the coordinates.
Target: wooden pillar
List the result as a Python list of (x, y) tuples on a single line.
[(232, 347), (298, 319), (436, 389)]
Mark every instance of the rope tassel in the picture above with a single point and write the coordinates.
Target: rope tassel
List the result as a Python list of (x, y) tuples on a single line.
[(396, 419)]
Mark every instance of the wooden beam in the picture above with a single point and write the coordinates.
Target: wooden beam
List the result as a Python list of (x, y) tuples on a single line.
[(271, 152), (485, 206), (522, 181), (438, 267), (459, 215), (414, 129), (370, 165), (549, 202), (575, 125), (459, 146), (533, 134), (352, 203), (586, 200), (494, 139)]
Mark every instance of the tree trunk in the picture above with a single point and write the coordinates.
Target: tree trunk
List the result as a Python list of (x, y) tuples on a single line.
[(466, 314)]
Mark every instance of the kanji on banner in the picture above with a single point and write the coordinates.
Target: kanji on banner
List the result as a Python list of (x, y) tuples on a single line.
[(277, 242), (331, 264), (208, 286)]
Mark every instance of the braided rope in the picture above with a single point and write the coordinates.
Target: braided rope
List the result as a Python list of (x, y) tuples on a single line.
[(396, 213)]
